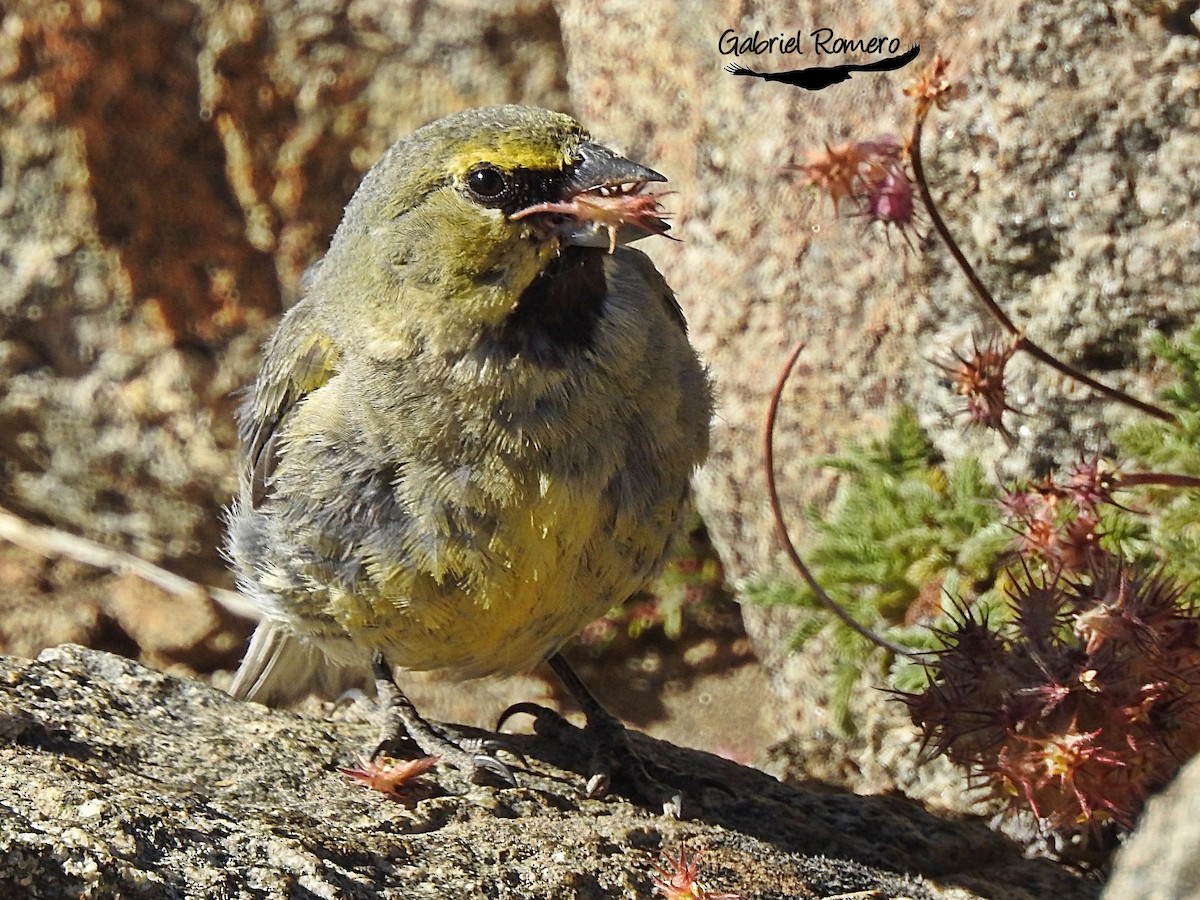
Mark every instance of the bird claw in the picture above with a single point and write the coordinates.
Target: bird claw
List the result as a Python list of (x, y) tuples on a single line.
[(606, 742), (484, 762), (672, 807), (598, 785), (528, 708), (404, 726), (485, 750), (476, 756)]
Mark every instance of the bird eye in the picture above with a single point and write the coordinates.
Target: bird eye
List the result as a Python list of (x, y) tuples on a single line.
[(487, 183)]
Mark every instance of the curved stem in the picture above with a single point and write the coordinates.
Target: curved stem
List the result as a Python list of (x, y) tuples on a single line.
[(989, 302), (776, 510), (1160, 479)]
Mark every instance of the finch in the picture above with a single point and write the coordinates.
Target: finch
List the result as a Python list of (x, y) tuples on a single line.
[(475, 431)]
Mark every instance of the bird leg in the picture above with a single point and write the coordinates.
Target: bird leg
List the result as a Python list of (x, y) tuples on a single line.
[(402, 725), (603, 737)]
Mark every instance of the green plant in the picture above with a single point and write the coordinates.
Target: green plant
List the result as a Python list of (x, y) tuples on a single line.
[(1171, 530), (905, 530), (679, 879)]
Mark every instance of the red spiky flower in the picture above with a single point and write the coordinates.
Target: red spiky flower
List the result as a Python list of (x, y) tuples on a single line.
[(1058, 520), (979, 378), (396, 779), (890, 201), (678, 879), (933, 88), (1090, 483)]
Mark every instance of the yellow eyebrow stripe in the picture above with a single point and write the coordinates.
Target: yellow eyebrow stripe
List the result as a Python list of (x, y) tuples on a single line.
[(509, 154), (460, 166)]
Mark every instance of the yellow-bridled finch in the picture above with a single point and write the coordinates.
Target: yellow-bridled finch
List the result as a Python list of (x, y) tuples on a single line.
[(475, 432)]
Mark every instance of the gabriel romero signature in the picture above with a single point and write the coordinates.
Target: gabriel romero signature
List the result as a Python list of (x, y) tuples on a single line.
[(814, 78)]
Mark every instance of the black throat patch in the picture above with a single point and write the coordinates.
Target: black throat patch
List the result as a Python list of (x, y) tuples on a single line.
[(557, 314)]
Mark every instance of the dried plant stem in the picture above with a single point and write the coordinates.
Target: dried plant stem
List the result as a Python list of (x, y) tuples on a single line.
[(1161, 479), (776, 510), (54, 544), (1020, 341)]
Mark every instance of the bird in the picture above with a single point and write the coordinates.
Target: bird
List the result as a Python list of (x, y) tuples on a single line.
[(816, 78), (474, 432)]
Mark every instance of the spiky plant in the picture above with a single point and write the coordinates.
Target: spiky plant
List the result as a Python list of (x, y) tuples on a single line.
[(1077, 705)]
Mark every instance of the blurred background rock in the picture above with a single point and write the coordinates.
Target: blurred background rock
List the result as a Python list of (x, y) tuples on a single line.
[(168, 168)]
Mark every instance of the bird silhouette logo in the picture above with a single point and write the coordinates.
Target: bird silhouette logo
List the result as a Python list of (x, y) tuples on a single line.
[(816, 78)]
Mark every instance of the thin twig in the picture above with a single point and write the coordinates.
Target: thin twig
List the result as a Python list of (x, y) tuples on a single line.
[(54, 544), (1160, 479), (776, 510), (1021, 342)]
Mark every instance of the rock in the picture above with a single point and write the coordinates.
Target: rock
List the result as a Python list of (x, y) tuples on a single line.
[(1161, 860), (118, 781)]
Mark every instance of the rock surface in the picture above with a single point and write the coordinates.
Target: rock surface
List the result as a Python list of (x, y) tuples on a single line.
[(118, 781), (1161, 861)]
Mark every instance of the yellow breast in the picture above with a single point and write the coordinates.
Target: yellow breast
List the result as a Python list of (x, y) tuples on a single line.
[(504, 602)]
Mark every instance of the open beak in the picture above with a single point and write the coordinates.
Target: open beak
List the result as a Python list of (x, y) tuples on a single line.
[(599, 168), (602, 204)]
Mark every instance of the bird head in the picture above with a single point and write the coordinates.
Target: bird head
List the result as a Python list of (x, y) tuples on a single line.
[(454, 227)]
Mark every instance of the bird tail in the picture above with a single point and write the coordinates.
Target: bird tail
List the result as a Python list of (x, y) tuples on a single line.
[(280, 667), (735, 69)]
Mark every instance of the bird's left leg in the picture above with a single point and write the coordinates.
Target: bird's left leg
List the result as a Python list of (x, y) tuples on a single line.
[(403, 724), (607, 740)]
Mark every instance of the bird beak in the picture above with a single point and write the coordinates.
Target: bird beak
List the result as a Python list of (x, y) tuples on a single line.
[(601, 204), (598, 167)]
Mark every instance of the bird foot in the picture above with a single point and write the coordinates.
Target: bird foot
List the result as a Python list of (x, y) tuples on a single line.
[(475, 758), (404, 730), (608, 749)]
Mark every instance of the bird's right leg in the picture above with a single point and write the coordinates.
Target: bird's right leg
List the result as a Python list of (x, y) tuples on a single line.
[(403, 724)]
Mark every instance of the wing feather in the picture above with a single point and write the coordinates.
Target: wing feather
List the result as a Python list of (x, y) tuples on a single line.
[(298, 360)]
